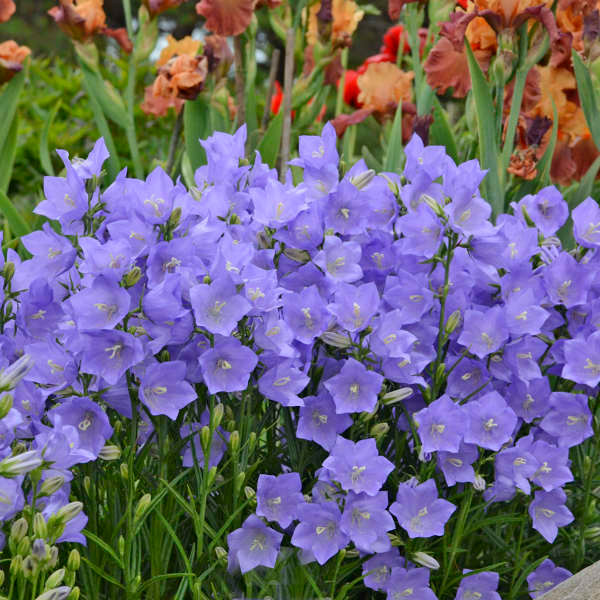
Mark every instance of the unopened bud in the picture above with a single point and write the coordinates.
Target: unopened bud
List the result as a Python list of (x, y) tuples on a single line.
[(453, 322), (74, 560), (19, 530), (132, 277), (142, 507), (234, 441), (206, 279), (121, 545), (238, 482), (20, 464), (592, 533), (397, 395), (526, 216), (300, 256), (59, 593), (6, 403), (53, 556), (174, 218), (212, 475), (74, 595), (124, 471), (234, 219), (24, 546), (69, 511), (10, 376), (9, 270), (87, 484), (421, 558), (29, 567), (249, 492), (40, 529), (216, 416), (335, 339), (440, 371), (51, 485), (379, 430), (16, 566), (363, 179), (205, 440), (251, 442), (433, 204), (221, 554), (110, 452), (1, 578), (55, 579), (479, 483)]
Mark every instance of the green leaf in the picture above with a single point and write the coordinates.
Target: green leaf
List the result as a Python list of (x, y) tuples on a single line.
[(440, 131), (587, 96), (17, 224), (105, 547), (9, 100), (106, 96), (488, 144), (545, 162), (513, 118), (371, 161), (196, 126), (44, 151), (394, 152), (8, 152), (269, 145)]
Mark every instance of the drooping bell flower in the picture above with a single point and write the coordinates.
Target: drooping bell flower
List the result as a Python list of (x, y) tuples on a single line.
[(83, 19)]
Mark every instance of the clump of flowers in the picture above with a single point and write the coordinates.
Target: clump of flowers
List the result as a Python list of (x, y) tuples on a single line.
[(436, 367)]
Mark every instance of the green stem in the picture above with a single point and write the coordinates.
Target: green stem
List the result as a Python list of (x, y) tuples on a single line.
[(339, 100), (130, 100), (456, 537)]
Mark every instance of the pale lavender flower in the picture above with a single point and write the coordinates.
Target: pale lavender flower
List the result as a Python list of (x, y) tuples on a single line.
[(546, 577), (278, 498), (252, 545), (548, 512)]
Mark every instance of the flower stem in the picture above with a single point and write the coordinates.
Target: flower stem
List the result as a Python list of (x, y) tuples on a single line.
[(238, 57), (287, 101)]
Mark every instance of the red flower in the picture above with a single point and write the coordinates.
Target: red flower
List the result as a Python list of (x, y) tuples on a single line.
[(391, 41), (7, 9), (351, 89), (277, 99)]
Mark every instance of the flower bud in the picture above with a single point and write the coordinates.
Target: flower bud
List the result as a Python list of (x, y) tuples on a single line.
[(335, 339), (20, 464), (51, 485), (206, 279), (110, 452), (234, 441), (55, 579), (8, 271), (69, 511), (10, 376), (379, 430), (132, 277), (479, 483), (16, 566), (440, 371), (74, 595), (70, 578), (59, 593), (142, 507), (238, 481), (174, 218), (24, 546), (205, 440), (74, 560), (234, 219), (6, 403), (251, 442), (216, 416), (249, 492), (221, 554), (53, 557), (453, 322), (19, 530), (40, 529), (363, 179), (1, 578), (212, 475), (124, 471), (425, 560), (433, 204), (30, 566), (300, 256), (121, 545), (397, 395), (87, 484)]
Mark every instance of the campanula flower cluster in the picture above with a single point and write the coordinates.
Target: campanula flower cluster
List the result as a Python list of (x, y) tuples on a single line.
[(339, 298)]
